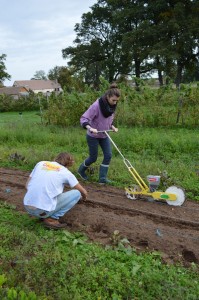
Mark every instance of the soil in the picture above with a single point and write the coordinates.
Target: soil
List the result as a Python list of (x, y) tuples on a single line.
[(108, 216)]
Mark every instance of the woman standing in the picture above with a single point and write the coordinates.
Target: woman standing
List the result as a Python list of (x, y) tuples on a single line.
[(99, 117)]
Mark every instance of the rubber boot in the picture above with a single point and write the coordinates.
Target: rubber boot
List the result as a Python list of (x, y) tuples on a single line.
[(81, 171), (103, 174)]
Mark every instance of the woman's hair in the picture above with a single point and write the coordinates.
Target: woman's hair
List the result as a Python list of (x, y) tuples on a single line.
[(113, 91), (65, 159)]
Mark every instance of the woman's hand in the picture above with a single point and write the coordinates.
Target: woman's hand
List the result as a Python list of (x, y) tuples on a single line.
[(114, 128), (93, 130)]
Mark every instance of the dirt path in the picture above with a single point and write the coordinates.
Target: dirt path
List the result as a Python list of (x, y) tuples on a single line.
[(148, 226)]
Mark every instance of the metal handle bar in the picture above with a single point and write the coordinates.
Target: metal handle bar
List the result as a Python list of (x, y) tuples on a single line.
[(104, 131), (114, 145), (131, 169)]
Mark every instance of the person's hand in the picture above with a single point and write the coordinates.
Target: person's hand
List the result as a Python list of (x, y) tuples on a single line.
[(84, 195), (93, 130), (114, 129), (82, 190)]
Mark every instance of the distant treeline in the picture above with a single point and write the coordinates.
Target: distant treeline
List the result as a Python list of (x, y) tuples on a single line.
[(117, 38), (164, 106)]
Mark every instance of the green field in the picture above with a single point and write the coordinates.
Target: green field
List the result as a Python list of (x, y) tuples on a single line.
[(37, 264), (172, 153), (49, 265)]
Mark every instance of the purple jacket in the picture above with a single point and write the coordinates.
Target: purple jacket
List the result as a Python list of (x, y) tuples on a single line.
[(94, 117)]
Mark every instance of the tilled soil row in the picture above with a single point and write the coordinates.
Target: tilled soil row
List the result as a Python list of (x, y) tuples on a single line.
[(108, 216)]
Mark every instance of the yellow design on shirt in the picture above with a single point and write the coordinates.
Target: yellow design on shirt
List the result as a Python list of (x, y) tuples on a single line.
[(50, 167)]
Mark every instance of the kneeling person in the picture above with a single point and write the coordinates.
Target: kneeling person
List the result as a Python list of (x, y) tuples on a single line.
[(45, 198)]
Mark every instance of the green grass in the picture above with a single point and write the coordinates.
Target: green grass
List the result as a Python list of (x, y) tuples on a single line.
[(37, 263), (13, 117), (157, 151)]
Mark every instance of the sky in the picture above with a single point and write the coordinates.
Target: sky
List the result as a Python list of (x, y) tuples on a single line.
[(34, 32)]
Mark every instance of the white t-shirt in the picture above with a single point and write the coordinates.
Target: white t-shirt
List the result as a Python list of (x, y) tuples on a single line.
[(46, 183)]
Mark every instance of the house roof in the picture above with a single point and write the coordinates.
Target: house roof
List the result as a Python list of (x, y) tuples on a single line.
[(37, 84), (13, 90)]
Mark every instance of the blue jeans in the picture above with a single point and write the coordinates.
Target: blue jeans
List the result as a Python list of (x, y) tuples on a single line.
[(93, 144), (65, 202)]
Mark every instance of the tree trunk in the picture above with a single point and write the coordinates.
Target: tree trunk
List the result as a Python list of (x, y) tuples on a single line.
[(137, 72), (137, 68), (160, 77)]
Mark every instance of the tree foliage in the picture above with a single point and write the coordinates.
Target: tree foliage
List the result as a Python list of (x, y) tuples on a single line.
[(118, 38), (177, 33), (3, 74), (96, 46), (66, 77), (40, 75)]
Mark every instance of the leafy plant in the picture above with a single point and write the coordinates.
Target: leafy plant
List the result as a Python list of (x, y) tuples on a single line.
[(37, 264)]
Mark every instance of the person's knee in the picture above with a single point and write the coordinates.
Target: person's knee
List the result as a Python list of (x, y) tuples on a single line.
[(77, 195), (90, 160), (94, 159), (107, 159)]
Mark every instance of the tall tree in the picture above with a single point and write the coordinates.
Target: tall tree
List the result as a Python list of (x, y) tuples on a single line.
[(122, 37), (160, 46), (113, 39), (131, 19), (98, 45), (183, 23), (3, 74), (175, 39)]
